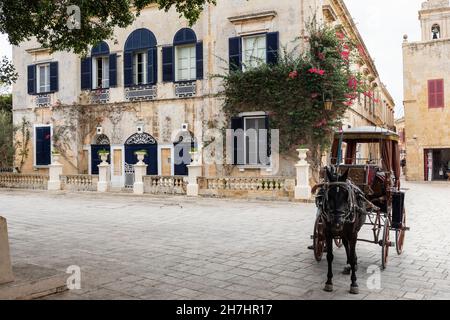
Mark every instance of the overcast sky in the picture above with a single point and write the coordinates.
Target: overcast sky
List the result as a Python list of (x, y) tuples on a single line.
[(382, 24)]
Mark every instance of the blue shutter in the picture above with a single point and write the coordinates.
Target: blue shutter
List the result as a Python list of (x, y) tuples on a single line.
[(199, 58), (32, 79), (152, 66), (236, 124), (235, 53), (113, 70), (54, 85), (128, 69), (86, 74), (43, 146), (272, 45), (269, 149), (168, 64)]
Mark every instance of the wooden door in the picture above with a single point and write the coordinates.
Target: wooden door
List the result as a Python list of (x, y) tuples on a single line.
[(166, 162)]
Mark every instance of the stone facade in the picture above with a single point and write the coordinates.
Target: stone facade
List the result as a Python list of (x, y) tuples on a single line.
[(426, 94), (78, 118)]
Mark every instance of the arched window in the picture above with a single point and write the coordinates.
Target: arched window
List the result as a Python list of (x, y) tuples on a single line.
[(436, 31), (183, 61), (140, 58), (99, 71)]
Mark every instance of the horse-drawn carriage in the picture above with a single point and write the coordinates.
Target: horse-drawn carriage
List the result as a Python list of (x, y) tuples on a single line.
[(357, 191)]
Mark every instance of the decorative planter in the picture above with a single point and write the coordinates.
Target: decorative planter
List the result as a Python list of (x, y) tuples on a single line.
[(55, 158), (302, 154), (195, 157), (140, 156), (104, 157)]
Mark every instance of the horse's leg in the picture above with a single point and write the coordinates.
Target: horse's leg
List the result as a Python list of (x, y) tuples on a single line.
[(347, 269), (354, 286), (329, 241)]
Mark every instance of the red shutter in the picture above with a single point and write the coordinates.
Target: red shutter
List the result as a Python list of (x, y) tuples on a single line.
[(431, 94), (436, 93), (439, 93)]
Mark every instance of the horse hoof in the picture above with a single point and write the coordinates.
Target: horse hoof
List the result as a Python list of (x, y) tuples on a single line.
[(354, 290), (347, 270), (328, 288)]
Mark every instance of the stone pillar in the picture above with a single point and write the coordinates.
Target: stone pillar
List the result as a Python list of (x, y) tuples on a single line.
[(55, 171), (302, 187), (104, 175), (140, 170), (194, 171), (6, 274)]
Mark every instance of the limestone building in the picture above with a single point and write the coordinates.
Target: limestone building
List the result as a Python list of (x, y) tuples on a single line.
[(152, 88), (426, 95)]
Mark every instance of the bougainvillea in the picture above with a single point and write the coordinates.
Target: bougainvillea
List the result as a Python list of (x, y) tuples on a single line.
[(294, 90)]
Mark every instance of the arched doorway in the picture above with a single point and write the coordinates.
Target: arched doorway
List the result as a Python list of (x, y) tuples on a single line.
[(182, 158), (101, 142), (142, 141)]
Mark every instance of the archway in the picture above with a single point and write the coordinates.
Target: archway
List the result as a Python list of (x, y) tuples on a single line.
[(101, 142), (142, 141), (184, 143)]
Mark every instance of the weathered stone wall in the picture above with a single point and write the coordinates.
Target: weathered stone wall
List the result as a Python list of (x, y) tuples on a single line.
[(425, 128)]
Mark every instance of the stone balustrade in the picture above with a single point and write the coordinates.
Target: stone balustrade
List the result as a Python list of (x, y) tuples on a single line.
[(23, 181), (165, 185), (246, 186), (79, 182)]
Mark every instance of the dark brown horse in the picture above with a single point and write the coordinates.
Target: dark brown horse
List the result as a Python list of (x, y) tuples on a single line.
[(344, 214)]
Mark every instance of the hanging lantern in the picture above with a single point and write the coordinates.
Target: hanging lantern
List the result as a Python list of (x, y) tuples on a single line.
[(328, 101)]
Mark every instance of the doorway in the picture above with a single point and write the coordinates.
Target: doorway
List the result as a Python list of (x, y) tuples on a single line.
[(166, 162), (437, 164), (117, 167)]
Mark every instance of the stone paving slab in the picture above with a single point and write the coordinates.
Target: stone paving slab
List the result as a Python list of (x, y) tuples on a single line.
[(132, 247)]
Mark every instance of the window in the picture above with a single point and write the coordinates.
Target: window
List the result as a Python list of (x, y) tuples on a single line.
[(185, 63), (436, 31), (436, 93), (140, 65), (140, 68), (100, 72), (43, 78), (254, 51), (42, 145)]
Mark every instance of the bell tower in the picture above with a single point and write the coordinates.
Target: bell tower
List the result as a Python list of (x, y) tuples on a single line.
[(435, 20)]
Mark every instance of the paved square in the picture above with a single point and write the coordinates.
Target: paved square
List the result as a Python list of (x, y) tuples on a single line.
[(182, 248)]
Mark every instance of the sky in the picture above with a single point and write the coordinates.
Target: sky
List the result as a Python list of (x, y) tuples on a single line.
[(382, 24)]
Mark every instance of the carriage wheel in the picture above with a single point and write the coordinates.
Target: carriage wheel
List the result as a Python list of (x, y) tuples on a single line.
[(338, 243), (400, 235), (385, 244), (319, 239)]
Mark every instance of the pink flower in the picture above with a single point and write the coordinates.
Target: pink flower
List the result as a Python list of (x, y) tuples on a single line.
[(321, 56), (314, 95), (348, 103), (340, 35), (345, 55), (293, 74), (317, 71), (353, 83)]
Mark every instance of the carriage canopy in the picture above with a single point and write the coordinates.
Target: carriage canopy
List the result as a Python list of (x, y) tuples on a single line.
[(387, 140)]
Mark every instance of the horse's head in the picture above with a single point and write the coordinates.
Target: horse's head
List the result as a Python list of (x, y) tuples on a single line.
[(337, 200)]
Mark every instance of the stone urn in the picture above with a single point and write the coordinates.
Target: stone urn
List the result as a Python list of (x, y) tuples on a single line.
[(140, 156), (55, 157), (104, 157), (195, 155), (302, 154)]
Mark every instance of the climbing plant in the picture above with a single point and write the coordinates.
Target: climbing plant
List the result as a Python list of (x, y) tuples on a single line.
[(293, 91)]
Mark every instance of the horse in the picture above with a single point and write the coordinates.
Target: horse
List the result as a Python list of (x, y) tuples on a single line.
[(344, 213)]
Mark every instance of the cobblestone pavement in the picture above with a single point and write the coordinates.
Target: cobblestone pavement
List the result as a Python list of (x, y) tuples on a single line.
[(178, 248)]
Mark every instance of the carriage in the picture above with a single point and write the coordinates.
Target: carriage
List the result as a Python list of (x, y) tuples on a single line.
[(378, 178)]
